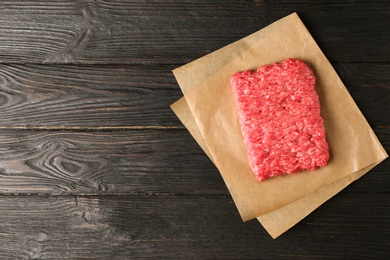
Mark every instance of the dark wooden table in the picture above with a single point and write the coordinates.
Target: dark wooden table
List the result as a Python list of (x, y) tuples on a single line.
[(95, 165)]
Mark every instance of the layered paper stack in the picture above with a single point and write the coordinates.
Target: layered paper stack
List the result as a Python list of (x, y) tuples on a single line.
[(209, 112)]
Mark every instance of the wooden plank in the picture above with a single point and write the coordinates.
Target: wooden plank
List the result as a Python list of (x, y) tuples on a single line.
[(185, 227), (175, 33), (138, 96), (369, 85), (108, 95), (123, 162), (61, 162)]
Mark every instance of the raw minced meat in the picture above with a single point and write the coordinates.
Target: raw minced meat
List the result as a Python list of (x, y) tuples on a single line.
[(279, 113)]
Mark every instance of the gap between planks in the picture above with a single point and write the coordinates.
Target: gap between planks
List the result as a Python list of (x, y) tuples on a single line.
[(90, 128), (120, 194), (110, 128)]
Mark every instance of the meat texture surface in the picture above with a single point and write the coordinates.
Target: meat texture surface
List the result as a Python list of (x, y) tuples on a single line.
[(279, 113)]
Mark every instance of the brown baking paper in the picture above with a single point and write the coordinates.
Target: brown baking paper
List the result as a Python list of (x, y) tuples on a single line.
[(278, 221), (205, 83)]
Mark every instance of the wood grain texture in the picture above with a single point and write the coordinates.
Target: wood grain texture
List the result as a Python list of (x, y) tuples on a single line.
[(175, 32), (95, 165), (185, 227), (138, 96), (119, 162), (108, 95), (369, 86), (123, 162)]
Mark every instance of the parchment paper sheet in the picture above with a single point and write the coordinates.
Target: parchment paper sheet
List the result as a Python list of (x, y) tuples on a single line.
[(206, 86), (278, 221)]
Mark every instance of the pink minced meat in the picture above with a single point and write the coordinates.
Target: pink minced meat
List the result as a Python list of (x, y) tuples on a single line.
[(279, 113)]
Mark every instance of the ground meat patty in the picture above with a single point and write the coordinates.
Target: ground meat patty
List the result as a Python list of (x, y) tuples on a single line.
[(279, 113)]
